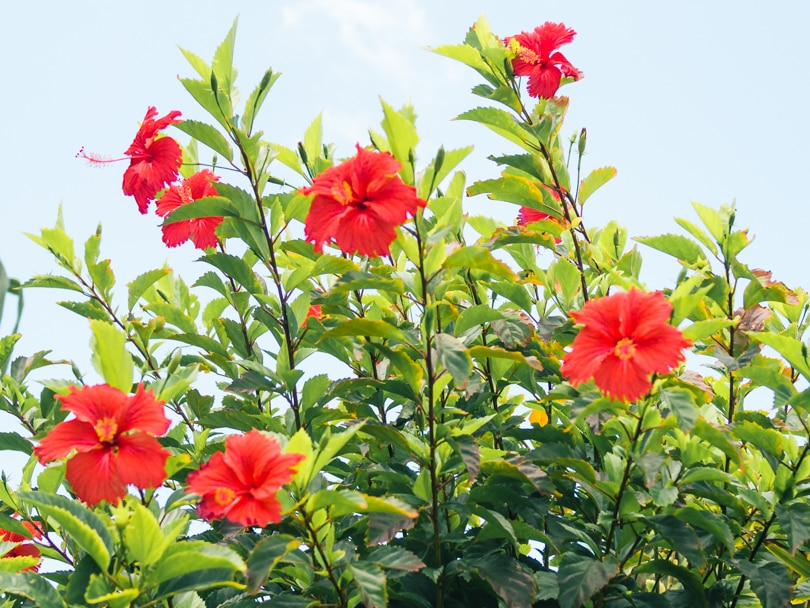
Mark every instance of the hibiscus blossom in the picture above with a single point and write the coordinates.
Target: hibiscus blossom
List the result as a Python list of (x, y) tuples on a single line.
[(153, 160), (241, 483), (359, 203), (113, 436), (200, 230), (527, 215), (536, 58), (625, 338), (24, 549)]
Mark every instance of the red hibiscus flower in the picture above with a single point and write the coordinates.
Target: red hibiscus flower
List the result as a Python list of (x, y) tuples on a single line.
[(314, 312), (153, 160), (200, 230), (241, 483), (527, 215), (625, 338), (113, 436), (359, 203), (537, 60), (24, 549)]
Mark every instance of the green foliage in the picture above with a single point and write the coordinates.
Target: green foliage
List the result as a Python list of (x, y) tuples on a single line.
[(446, 460)]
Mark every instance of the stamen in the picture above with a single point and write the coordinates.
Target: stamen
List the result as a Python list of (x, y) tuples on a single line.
[(624, 349), (224, 496), (96, 160), (106, 429)]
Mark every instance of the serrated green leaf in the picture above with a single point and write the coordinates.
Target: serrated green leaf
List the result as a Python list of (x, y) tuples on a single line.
[(110, 356), (365, 327), (144, 538), (681, 403), (209, 206), (453, 355), (32, 586), (16, 443), (370, 579), (691, 582), (479, 258), (794, 519), (593, 181), (676, 245), (265, 556), (770, 582), (579, 577), (395, 558), (502, 123), (508, 578), (681, 537), (85, 527), (208, 135)]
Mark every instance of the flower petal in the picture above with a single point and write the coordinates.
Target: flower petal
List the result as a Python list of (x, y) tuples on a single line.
[(66, 437), (94, 477), (141, 461)]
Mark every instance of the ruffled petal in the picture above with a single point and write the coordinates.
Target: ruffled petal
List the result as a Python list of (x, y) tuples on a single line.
[(66, 437), (94, 477), (143, 412), (141, 460)]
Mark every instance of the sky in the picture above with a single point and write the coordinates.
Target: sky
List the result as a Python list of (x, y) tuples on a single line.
[(693, 100)]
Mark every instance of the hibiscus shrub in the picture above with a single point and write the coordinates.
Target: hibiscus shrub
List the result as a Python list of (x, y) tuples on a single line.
[(509, 417)]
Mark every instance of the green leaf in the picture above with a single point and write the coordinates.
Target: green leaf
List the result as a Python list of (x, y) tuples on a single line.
[(475, 315), (793, 350), (595, 180), (707, 520), (681, 537), (208, 135), (794, 519), (209, 206), (16, 443), (681, 403), (712, 220), (770, 582), (237, 269), (85, 527), (257, 97), (502, 123), (676, 245), (479, 258), (33, 587), (700, 330), (110, 356), (691, 582), (265, 556), (508, 578), (395, 558), (52, 282), (798, 563), (365, 327), (371, 581), (144, 537), (402, 138), (6, 349), (89, 310), (454, 357), (190, 557), (579, 577)]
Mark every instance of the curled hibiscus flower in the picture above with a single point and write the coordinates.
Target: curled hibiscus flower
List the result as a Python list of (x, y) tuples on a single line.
[(200, 230), (154, 160), (112, 435), (241, 483), (23, 549), (537, 59), (624, 339), (359, 203)]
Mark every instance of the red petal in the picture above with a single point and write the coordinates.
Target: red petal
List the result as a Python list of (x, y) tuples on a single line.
[(92, 403), (249, 511), (143, 412), (213, 475), (621, 379), (203, 231), (141, 461), (64, 438), (175, 234), (94, 477), (544, 81)]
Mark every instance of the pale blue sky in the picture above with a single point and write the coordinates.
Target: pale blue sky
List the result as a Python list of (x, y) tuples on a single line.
[(692, 100)]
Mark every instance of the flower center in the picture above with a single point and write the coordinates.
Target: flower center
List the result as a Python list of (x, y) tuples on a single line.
[(224, 496), (625, 349), (106, 428), (343, 193)]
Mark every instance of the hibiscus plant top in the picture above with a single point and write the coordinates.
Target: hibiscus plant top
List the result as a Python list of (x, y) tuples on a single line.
[(509, 417)]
